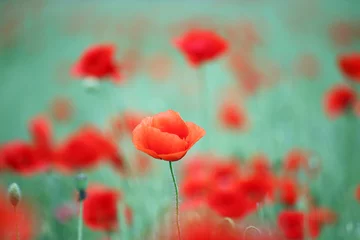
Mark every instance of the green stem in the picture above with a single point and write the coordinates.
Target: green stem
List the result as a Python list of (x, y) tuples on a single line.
[(17, 233), (177, 199), (80, 221), (306, 210)]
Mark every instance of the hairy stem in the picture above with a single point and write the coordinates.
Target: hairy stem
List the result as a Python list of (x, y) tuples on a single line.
[(177, 199), (80, 220), (17, 233), (250, 228)]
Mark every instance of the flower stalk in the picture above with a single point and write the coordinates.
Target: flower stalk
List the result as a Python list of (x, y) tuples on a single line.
[(177, 199)]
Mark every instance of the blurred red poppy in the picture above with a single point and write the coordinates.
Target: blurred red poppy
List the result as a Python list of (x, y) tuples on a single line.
[(166, 136), (24, 217), (21, 158), (199, 163), (232, 116), (142, 163), (349, 65), (85, 149), (357, 193), (97, 62), (342, 33), (61, 109), (356, 108), (201, 46), (202, 224), (288, 191), (195, 186), (295, 159), (132, 119), (258, 186), (260, 164), (100, 208), (291, 223), (40, 129), (338, 99), (227, 198)]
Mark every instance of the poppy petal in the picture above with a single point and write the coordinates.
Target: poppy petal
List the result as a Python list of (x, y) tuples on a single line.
[(139, 137), (171, 122), (164, 143), (173, 156), (195, 133)]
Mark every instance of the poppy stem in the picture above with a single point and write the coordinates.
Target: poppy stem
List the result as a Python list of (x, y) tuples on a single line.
[(81, 183), (80, 220), (177, 199), (250, 228), (306, 211), (17, 233)]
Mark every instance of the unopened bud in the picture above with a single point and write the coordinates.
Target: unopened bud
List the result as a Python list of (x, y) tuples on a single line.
[(81, 184), (81, 181), (14, 194)]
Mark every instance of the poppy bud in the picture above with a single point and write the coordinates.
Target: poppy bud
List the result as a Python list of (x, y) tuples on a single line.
[(81, 184), (14, 194), (81, 181)]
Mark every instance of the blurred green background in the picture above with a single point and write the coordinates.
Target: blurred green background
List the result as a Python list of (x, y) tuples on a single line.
[(39, 40)]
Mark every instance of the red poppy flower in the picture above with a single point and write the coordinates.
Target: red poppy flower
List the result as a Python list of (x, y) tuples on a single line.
[(291, 223), (288, 191), (232, 116), (166, 136), (20, 157), (339, 98), (199, 163), (295, 160), (323, 215), (78, 152), (100, 208), (228, 200), (24, 218), (342, 33), (195, 186), (132, 119), (356, 108), (349, 65), (224, 172), (143, 163), (357, 193), (115, 128), (98, 62), (202, 224), (257, 187), (246, 72), (41, 132), (317, 218), (201, 46), (260, 164), (61, 109), (85, 149)]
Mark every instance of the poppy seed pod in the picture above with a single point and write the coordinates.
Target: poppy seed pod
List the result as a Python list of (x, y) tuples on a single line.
[(81, 181), (81, 184), (14, 194)]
